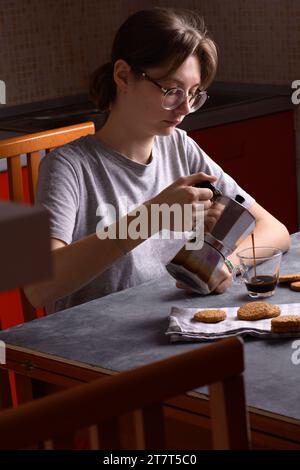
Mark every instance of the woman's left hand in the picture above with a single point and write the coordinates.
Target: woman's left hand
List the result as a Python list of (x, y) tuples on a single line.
[(224, 282)]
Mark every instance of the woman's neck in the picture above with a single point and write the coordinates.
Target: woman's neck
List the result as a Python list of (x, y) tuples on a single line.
[(126, 139)]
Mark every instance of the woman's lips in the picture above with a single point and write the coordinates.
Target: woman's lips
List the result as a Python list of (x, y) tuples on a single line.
[(172, 123)]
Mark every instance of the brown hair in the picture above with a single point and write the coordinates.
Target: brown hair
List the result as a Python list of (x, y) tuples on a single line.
[(152, 38)]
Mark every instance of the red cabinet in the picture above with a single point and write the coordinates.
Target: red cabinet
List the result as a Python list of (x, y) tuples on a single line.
[(260, 155), (10, 302)]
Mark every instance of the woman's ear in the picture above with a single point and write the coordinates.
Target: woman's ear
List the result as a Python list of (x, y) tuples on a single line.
[(122, 75)]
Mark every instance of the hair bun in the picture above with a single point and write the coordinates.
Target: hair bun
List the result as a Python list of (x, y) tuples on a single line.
[(102, 87)]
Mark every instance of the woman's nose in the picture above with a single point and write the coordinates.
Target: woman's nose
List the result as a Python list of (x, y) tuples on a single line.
[(184, 107)]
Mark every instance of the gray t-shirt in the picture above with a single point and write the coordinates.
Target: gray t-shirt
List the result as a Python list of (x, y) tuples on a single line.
[(78, 177)]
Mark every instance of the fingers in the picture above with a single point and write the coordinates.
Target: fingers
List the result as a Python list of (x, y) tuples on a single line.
[(203, 194), (220, 289), (212, 215), (202, 207), (223, 286), (183, 192), (209, 223), (195, 178), (206, 205), (215, 212), (225, 282), (181, 285)]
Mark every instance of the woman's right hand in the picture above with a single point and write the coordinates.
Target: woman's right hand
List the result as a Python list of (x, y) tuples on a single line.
[(183, 191)]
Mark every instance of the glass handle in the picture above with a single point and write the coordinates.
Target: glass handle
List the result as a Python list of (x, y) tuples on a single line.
[(238, 274)]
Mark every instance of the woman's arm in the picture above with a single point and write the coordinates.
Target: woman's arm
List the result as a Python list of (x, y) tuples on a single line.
[(268, 232), (77, 264)]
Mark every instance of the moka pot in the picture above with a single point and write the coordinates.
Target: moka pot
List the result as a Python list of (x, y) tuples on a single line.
[(230, 223)]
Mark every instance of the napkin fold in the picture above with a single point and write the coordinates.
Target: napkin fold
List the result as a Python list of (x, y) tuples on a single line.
[(182, 326)]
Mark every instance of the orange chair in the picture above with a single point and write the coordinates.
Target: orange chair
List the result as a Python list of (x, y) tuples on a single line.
[(21, 184), (101, 403)]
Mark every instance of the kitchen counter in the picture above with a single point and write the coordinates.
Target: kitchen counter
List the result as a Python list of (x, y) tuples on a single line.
[(228, 102), (51, 115)]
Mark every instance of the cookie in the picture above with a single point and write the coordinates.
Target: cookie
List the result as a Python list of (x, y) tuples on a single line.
[(295, 286), (257, 311), (286, 324), (210, 316), (289, 277)]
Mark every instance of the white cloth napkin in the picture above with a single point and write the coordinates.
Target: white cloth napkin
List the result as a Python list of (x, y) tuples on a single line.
[(182, 327)]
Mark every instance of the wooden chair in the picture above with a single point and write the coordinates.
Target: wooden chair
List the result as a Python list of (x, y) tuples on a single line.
[(32, 145), (101, 403)]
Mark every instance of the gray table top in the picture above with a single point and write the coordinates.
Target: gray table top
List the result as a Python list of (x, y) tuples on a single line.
[(127, 329)]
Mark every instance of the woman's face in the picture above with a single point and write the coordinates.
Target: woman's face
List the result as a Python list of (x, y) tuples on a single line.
[(146, 98)]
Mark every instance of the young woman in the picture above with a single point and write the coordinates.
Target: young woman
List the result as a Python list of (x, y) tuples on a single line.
[(162, 62)]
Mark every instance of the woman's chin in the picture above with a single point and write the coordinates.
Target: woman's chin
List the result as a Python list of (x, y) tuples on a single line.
[(166, 129)]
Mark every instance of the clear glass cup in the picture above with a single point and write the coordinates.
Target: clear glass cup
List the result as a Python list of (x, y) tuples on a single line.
[(260, 273)]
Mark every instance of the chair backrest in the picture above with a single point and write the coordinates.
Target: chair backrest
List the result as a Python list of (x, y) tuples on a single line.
[(101, 403), (32, 145)]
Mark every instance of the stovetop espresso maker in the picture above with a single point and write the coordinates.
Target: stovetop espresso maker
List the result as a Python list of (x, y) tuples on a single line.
[(230, 223)]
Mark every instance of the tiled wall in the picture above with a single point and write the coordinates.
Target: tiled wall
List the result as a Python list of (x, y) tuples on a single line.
[(49, 47)]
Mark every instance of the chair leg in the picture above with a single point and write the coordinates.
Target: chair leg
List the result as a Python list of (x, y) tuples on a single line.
[(5, 390), (154, 427), (24, 388), (29, 312), (229, 415), (109, 434)]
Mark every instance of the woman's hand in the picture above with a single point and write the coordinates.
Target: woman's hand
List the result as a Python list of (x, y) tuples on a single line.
[(182, 192), (212, 215), (223, 283)]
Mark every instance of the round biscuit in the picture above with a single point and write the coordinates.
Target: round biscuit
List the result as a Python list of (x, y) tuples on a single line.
[(289, 277), (257, 311), (285, 324), (210, 316), (295, 286)]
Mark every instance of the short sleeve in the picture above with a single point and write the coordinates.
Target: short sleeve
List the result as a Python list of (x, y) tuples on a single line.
[(58, 192)]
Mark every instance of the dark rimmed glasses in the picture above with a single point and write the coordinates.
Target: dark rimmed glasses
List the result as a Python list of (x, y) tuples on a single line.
[(174, 97)]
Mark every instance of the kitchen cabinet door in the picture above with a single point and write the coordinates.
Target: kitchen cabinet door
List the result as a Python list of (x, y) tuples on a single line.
[(260, 155)]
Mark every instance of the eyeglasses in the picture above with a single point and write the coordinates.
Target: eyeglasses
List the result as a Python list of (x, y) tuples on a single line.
[(174, 97)]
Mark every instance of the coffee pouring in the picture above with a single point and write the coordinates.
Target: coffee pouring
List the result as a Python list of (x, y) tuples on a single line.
[(200, 269)]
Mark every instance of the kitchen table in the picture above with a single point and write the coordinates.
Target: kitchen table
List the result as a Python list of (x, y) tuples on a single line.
[(127, 329)]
